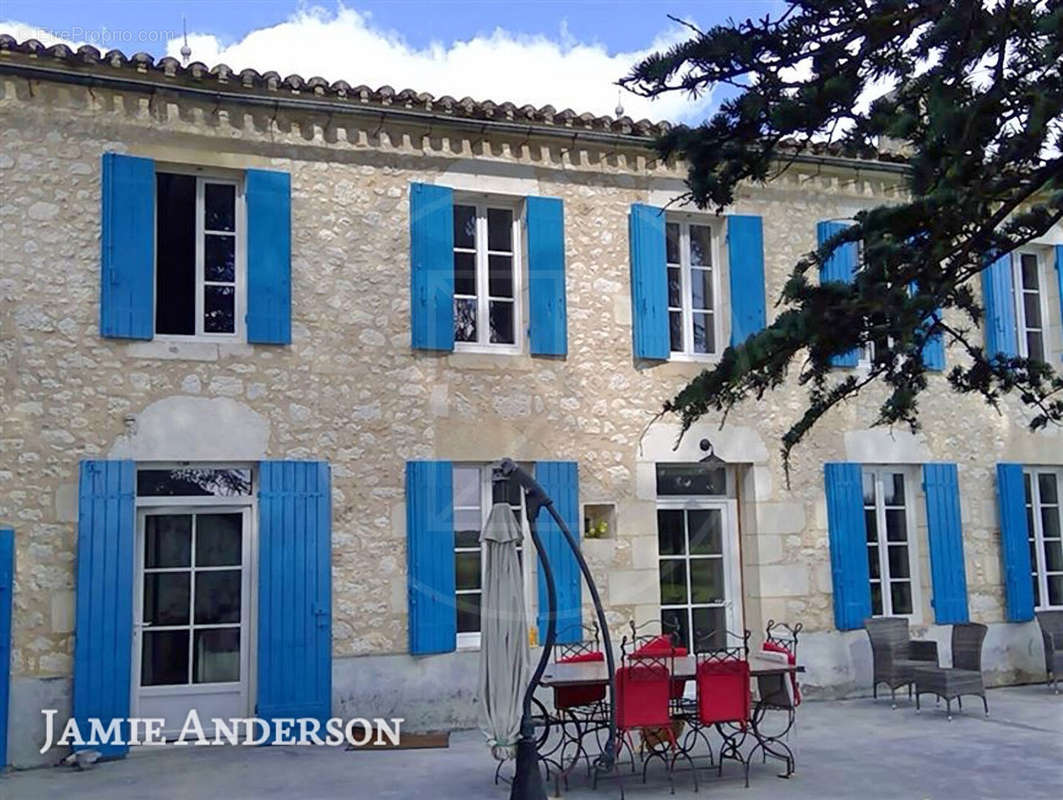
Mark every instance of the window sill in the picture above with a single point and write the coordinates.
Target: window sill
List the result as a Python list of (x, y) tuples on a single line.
[(697, 358), (488, 349), (187, 349)]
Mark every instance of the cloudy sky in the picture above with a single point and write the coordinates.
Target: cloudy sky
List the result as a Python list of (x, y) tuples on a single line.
[(567, 54)]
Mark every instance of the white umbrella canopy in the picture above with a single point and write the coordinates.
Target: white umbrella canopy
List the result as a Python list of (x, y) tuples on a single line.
[(503, 633)]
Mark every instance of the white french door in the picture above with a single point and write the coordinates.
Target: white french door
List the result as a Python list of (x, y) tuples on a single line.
[(697, 542), (192, 611)]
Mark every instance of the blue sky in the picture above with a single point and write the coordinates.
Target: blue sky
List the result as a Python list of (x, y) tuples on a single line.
[(565, 53)]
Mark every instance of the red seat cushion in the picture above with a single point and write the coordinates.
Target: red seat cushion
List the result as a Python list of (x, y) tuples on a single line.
[(660, 646), (582, 658), (575, 696), (723, 691)]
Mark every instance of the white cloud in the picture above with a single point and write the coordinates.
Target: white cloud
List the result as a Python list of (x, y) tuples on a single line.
[(500, 66)]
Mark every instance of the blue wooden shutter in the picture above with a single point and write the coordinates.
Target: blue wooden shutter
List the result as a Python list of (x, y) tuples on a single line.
[(269, 256), (1059, 277), (841, 266), (934, 353), (430, 587), (7, 589), (560, 481), (945, 535), (1001, 336), (432, 266), (294, 590), (545, 220), (848, 544), (127, 247), (649, 283), (103, 634), (745, 255), (1014, 542)]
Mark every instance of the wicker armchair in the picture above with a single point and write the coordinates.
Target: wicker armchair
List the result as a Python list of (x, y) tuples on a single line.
[(1051, 623), (895, 655), (965, 675)]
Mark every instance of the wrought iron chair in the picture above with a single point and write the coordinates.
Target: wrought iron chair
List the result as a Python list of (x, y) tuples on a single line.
[(777, 693), (645, 642), (965, 674), (723, 696), (1051, 623), (895, 655), (582, 710)]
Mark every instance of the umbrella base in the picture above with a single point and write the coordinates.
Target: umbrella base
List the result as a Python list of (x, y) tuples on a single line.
[(528, 778)]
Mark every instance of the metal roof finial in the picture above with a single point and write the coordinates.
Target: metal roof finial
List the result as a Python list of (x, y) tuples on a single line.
[(186, 51), (619, 110)]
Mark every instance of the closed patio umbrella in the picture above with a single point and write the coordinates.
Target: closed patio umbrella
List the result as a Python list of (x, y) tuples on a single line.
[(503, 633)]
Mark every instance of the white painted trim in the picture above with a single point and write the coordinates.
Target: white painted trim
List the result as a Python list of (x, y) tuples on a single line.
[(1020, 307), (1039, 567), (686, 270), (911, 486)]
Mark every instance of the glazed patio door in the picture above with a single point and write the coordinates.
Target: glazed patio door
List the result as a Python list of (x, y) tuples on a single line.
[(191, 640)]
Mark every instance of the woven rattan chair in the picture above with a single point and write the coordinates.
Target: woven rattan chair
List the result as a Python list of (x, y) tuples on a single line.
[(965, 674), (895, 655), (1051, 623)]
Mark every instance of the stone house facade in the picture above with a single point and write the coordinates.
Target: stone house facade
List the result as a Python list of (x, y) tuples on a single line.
[(252, 433)]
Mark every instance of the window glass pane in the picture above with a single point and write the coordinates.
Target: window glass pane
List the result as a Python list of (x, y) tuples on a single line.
[(700, 245), (501, 312), (466, 487), (874, 568), (166, 598), (673, 582), (467, 570), (165, 658), (500, 276), (1028, 266), (465, 227), (1035, 346), (193, 482), (901, 597), (899, 564), (893, 483), (700, 288), (706, 580), (671, 540), (704, 335), (467, 537), (464, 319), (1031, 304), (876, 599), (706, 537), (710, 629), (675, 331), (675, 287), (500, 229), (217, 596), (675, 619), (869, 489), (691, 479), (1026, 486), (1053, 556), (1055, 590), (167, 540), (671, 242), (217, 656), (219, 540), (219, 202), (465, 273), (896, 525), (175, 254), (219, 309), (1036, 591), (468, 609), (219, 258), (1046, 482), (1050, 522), (871, 524)]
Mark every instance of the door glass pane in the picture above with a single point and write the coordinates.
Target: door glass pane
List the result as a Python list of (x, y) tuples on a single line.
[(673, 582), (1031, 305), (700, 246), (464, 319), (465, 274), (1055, 590), (217, 656), (691, 479), (704, 335), (500, 229), (1050, 522), (876, 599), (899, 564), (671, 242), (167, 540), (701, 289), (465, 227), (219, 309), (896, 525), (217, 596), (466, 487), (468, 612), (467, 570), (1046, 482), (219, 540), (710, 629), (869, 489), (500, 276), (706, 535), (706, 580), (165, 658), (675, 331), (501, 314), (220, 204), (675, 619), (874, 568), (671, 540), (166, 598), (675, 288), (219, 259), (1053, 556), (901, 596), (893, 485), (1029, 271), (871, 524)]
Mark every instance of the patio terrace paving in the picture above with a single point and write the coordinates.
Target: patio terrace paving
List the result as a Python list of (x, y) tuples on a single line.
[(847, 748)]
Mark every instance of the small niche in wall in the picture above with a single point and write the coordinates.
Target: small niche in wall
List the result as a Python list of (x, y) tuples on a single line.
[(599, 520)]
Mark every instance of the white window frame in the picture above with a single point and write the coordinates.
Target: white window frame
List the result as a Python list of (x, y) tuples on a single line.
[(483, 343), (203, 177), (1036, 536), (470, 640), (1018, 292), (911, 485), (684, 221)]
